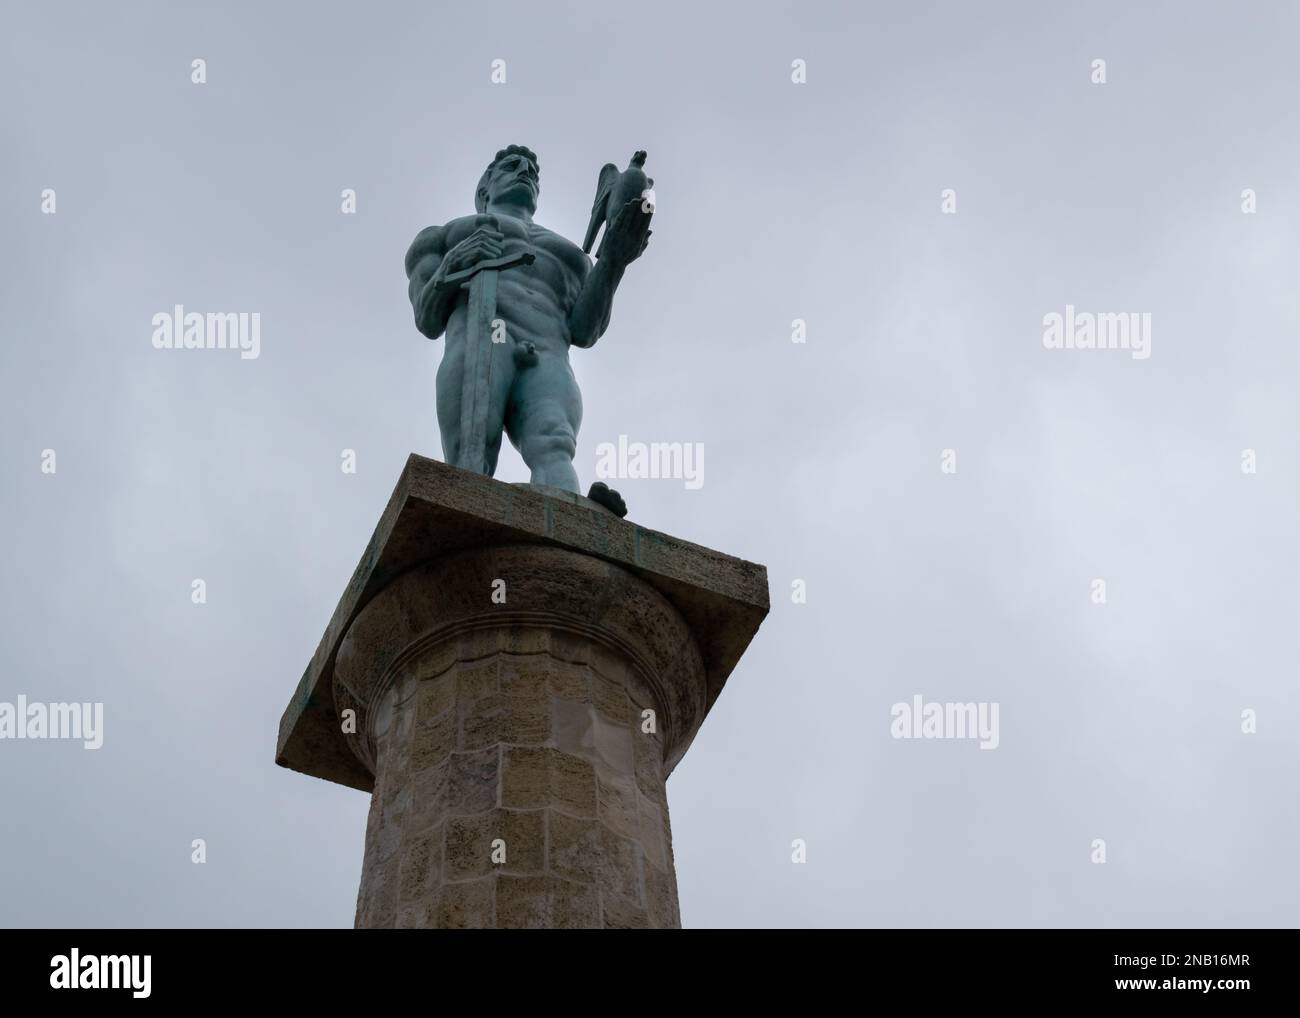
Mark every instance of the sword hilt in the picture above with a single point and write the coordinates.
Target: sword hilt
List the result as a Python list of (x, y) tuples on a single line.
[(525, 256)]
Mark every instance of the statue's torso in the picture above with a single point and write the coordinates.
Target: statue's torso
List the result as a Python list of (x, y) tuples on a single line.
[(533, 300)]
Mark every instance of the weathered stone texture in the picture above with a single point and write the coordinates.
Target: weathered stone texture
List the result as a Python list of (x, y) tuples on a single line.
[(516, 751), (516, 780)]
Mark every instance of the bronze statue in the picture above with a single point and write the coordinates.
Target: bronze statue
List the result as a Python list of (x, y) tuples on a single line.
[(512, 297)]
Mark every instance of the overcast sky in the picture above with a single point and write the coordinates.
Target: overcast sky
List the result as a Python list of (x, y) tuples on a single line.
[(777, 201)]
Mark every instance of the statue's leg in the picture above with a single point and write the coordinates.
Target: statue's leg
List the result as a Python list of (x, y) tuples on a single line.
[(450, 372), (451, 380), (543, 420)]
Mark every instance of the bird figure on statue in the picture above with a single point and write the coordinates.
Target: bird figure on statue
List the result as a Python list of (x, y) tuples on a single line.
[(615, 190)]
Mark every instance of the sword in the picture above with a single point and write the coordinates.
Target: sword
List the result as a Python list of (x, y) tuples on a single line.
[(476, 382)]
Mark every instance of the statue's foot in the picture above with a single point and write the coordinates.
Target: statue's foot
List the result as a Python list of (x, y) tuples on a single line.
[(605, 495)]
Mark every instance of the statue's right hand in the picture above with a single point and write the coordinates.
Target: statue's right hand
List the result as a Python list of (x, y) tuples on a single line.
[(484, 243)]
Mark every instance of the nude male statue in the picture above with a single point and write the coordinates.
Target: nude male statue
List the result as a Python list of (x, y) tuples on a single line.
[(512, 297)]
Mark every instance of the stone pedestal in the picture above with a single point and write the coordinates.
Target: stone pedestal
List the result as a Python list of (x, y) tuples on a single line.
[(512, 674)]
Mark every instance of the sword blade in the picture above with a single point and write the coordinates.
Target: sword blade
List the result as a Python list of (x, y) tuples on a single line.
[(476, 383)]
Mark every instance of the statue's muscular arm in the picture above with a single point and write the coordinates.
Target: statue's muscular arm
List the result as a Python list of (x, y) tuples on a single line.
[(429, 261), (595, 302), (625, 240), (432, 305)]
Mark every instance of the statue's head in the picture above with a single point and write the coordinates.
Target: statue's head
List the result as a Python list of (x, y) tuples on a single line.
[(512, 178)]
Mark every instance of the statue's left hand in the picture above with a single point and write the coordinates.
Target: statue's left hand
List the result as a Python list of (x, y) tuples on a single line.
[(627, 236)]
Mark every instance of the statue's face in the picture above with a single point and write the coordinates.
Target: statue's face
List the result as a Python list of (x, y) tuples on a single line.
[(514, 181)]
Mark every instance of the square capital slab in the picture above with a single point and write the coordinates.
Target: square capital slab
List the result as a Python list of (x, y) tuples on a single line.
[(438, 510)]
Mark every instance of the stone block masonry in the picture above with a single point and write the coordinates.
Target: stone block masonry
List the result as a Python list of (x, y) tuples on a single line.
[(521, 671)]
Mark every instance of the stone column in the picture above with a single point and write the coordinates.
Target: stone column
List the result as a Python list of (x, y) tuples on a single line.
[(513, 674), (518, 747)]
